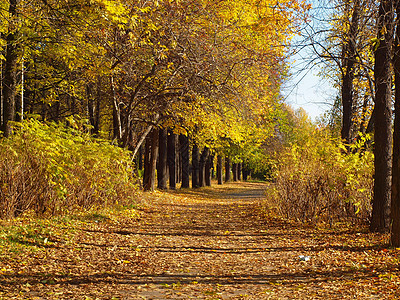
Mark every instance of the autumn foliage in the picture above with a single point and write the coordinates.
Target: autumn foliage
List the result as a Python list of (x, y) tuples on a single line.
[(51, 169), (318, 180)]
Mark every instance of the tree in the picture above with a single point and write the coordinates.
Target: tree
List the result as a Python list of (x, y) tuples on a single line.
[(395, 196), (203, 165), (208, 168), (172, 140), (184, 151), (341, 43), (227, 169), (195, 166), (235, 171), (150, 161), (219, 169), (10, 70), (383, 118), (349, 60), (162, 159)]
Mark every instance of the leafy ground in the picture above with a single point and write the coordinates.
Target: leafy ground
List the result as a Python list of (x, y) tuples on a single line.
[(211, 243)]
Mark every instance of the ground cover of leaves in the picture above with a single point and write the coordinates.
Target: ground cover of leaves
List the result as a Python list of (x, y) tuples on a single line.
[(209, 243)]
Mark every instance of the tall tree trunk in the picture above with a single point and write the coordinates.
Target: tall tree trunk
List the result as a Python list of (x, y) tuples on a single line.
[(1, 91), (93, 106), (90, 105), (140, 158), (10, 74), (162, 159), (227, 169), (195, 165), (207, 171), (245, 171), (239, 171), (202, 172), (184, 150), (172, 159), (96, 124), (151, 162), (117, 125), (383, 114), (235, 171), (219, 170), (395, 201), (146, 162), (349, 54)]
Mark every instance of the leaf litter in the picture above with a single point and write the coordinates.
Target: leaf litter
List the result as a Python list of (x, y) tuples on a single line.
[(210, 243)]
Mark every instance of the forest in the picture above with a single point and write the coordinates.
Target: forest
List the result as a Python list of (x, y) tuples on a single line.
[(115, 104)]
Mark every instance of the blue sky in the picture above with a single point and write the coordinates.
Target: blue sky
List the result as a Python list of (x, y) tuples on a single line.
[(309, 91), (306, 89)]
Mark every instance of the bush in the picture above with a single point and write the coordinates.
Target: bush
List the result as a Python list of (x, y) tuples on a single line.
[(318, 180), (52, 168)]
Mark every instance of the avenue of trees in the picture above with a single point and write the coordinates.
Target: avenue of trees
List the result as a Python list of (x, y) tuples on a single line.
[(183, 86), (190, 89)]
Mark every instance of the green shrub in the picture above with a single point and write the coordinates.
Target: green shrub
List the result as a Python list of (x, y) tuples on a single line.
[(52, 168), (318, 180)]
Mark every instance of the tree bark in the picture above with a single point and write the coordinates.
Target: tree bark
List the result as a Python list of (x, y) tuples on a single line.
[(239, 171), (395, 200), (151, 161), (227, 169), (162, 159), (383, 114), (219, 169), (172, 159), (202, 166), (195, 165), (140, 158), (207, 171), (245, 171), (146, 162), (117, 126), (10, 75), (235, 171), (93, 107), (349, 54), (184, 150)]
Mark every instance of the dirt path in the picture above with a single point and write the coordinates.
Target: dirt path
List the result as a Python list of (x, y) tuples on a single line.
[(213, 243)]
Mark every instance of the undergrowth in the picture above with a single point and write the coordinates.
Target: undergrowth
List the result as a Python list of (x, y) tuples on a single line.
[(54, 169), (318, 179)]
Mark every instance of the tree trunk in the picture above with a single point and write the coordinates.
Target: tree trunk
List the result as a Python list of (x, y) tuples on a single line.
[(172, 159), (349, 54), (146, 162), (10, 74), (151, 161), (383, 136), (195, 166), (239, 171), (162, 159), (90, 105), (395, 201), (140, 158), (96, 124), (227, 169), (208, 167), (219, 169), (202, 169), (184, 150), (235, 171), (117, 126), (245, 172)]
